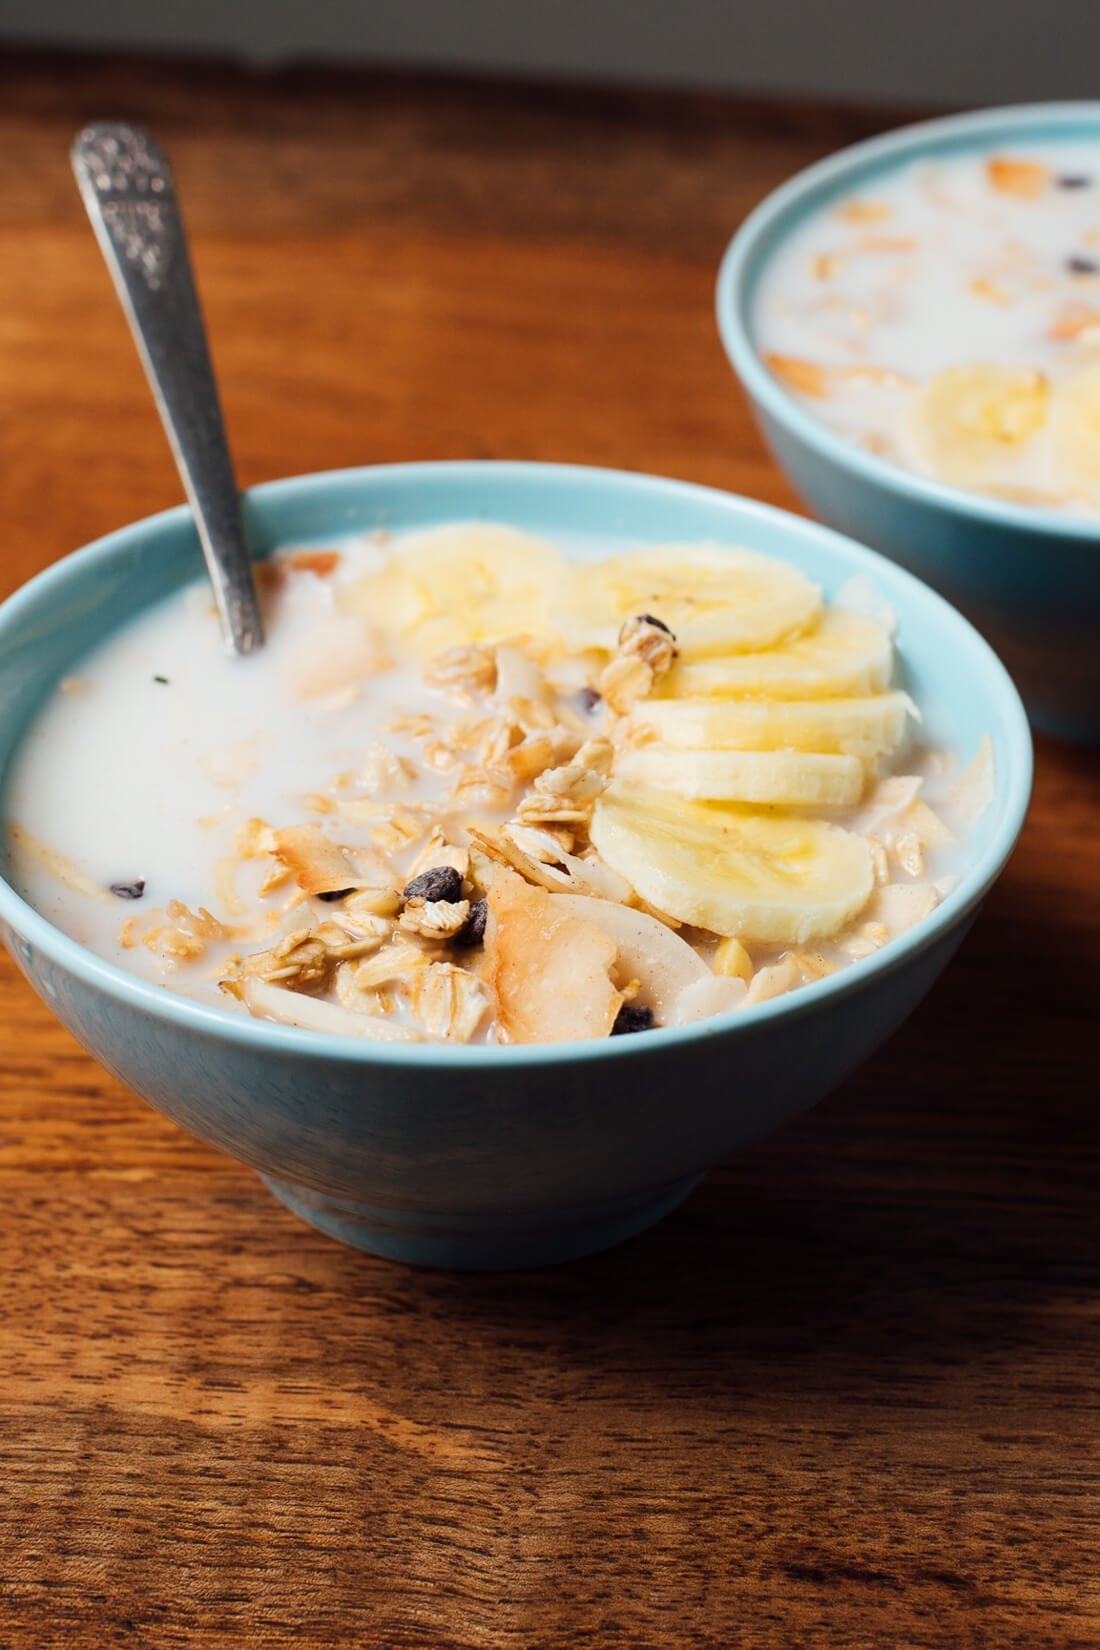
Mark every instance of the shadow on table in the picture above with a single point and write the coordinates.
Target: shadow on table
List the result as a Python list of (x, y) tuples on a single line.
[(937, 1211)]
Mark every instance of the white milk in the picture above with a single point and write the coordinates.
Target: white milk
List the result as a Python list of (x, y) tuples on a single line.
[(143, 767), (931, 267), (131, 777)]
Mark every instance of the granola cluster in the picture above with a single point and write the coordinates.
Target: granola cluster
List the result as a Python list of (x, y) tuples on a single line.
[(384, 897)]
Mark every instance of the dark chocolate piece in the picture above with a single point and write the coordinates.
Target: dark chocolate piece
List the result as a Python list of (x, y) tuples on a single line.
[(129, 890), (472, 931), (632, 1017), (441, 882)]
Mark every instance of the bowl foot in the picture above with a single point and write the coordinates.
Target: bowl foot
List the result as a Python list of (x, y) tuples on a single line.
[(481, 1243)]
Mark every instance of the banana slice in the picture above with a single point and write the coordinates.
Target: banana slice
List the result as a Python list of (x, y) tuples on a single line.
[(788, 778), (846, 727), (967, 421), (456, 585), (713, 600), (1077, 433), (848, 653), (765, 878)]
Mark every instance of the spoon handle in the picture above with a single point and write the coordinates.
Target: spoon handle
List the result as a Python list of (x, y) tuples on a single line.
[(128, 190)]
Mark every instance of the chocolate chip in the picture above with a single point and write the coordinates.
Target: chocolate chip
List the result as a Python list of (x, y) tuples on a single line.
[(590, 699), (472, 931), (335, 893), (162, 679), (1082, 266), (129, 890), (632, 1017), (648, 618), (1073, 180), (442, 882)]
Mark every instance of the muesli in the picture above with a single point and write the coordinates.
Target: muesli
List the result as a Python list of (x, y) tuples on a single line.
[(473, 791), (947, 318)]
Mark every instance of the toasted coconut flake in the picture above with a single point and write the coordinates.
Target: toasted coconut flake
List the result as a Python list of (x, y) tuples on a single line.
[(1025, 178), (449, 1002), (322, 563), (804, 377), (317, 865), (1074, 322), (549, 971), (255, 839), (856, 210)]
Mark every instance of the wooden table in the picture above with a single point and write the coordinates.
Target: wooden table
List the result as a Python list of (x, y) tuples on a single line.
[(847, 1395)]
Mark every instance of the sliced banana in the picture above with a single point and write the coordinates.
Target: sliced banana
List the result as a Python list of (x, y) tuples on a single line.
[(967, 421), (846, 654), (766, 878), (866, 728), (794, 779), (457, 585), (713, 600), (1077, 433)]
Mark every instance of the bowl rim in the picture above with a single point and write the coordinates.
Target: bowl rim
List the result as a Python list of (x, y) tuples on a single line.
[(799, 196), (186, 1013)]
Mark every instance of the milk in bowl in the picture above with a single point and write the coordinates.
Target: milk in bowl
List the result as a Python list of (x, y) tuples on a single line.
[(472, 791), (945, 316)]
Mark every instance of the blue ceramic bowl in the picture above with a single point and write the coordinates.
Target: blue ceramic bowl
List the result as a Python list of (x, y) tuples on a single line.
[(490, 1157), (1029, 578)]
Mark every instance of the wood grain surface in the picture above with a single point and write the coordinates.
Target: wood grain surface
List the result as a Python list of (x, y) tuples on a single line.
[(846, 1397)]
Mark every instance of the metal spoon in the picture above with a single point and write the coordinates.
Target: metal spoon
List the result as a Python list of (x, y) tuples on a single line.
[(128, 190)]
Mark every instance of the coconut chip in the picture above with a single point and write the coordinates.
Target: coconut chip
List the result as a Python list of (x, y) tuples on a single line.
[(317, 865), (549, 971)]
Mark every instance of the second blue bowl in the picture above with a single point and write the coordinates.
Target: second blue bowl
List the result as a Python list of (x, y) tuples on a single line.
[(1029, 578)]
